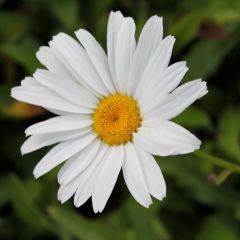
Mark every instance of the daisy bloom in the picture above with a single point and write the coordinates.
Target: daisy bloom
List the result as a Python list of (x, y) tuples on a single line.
[(113, 111)]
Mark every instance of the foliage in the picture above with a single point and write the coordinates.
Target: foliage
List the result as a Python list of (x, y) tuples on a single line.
[(203, 195)]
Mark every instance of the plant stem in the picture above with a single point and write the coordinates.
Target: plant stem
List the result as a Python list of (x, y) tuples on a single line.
[(222, 176), (218, 161)]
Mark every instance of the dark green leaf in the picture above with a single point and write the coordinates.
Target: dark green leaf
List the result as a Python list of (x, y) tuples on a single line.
[(194, 118), (204, 57), (185, 29), (66, 12), (24, 206), (214, 228), (12, 26), (22, 53), (229, 133), (79, 227)]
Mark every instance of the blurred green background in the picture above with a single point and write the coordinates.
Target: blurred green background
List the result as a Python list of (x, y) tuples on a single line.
[(203, 191)]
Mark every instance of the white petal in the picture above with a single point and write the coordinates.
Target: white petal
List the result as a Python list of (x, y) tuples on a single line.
[(143, 139), (161, 85), (41, 96), (64, 62), (153, 174), (114, 23), (83, 184), (84, 191), (29, 81), (178, 100), (171, 77), (65, 192), (125, 47), (157, 63), (165, 138), (107, 177), (67, 88), (79, 62), (87, 179), (134, 178), (57, 112), (59, 124), (97, 56), (149, 40), (60, 153), (41, 140), (174, 130), (47, 57), (78, 163)]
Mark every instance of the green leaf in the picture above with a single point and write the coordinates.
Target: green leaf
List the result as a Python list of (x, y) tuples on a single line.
[(193, 117), (237, 211), (79, 227), (66, 12), (24, 206), (229, 132), (227, 15), (185, 29), (4, 191), (232, 167), (145, 222), (214, 228), (22, 52), (5, 98), (100, 29), (12, 26), (217, 10), (98, 7), (205, 57), (188, 174)]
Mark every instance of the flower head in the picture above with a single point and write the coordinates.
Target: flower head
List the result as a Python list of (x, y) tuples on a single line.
[(113, 111)]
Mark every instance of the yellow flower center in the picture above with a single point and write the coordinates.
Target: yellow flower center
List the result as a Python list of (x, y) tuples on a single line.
[(116, 118)]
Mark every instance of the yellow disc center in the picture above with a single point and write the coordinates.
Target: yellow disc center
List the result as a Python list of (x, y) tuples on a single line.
[(116, 118)]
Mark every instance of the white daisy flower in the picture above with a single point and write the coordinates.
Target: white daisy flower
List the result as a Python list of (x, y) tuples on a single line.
[(113, 111)]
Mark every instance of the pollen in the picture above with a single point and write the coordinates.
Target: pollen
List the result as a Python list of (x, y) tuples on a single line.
[(116, 118)]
